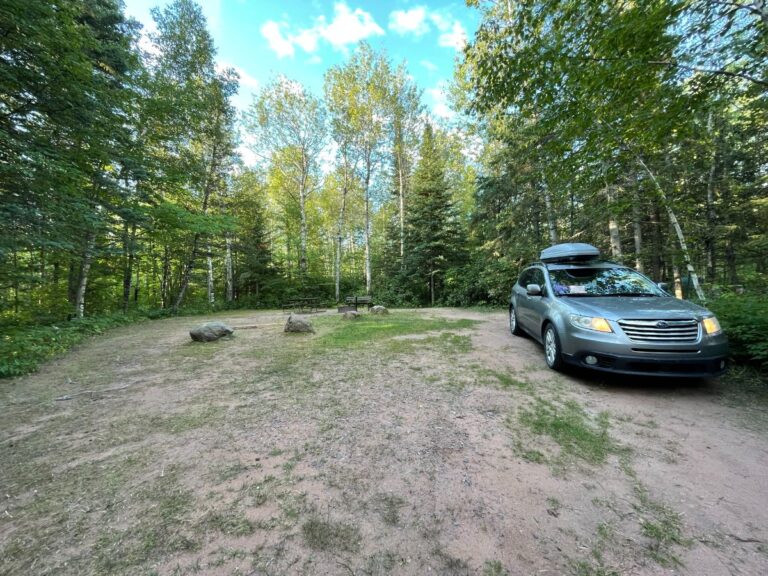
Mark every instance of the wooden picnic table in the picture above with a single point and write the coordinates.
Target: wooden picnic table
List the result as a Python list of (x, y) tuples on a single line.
[(311, 304)]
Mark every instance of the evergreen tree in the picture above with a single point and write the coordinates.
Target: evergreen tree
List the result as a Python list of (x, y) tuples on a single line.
[(433, 235)]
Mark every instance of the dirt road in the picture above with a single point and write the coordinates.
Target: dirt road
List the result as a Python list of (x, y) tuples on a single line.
[(447, 448)]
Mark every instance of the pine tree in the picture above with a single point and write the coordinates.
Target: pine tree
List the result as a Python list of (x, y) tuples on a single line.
[(433, 236)]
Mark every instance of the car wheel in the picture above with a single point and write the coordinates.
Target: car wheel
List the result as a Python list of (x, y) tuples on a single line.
[(513, 326), (552, 351)]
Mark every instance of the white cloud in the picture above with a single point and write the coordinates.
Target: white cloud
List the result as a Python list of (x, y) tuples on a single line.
[(277, 42), (456, 38), (439, 98), (428, 65), (307, 39), (443, 23), (413, 21), (347, 27), (315, 59), (247, 88)]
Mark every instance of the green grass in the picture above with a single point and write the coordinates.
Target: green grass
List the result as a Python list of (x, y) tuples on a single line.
[(340, 334), (494, 568), (331, 536), (23, 349), (662, 527), (577, 433)]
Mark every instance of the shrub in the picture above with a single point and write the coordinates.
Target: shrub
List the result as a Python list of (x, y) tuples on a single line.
[(745, 321)]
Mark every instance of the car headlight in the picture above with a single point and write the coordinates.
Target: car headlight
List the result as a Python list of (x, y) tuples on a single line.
[(591, 323), (711, 325)]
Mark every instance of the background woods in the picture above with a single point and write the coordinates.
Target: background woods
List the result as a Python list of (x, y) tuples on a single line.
[(640, 128)]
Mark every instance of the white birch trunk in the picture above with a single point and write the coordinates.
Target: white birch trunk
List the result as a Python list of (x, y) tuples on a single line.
[(85, 268), (678, 231), (211, 294), (230, 289)]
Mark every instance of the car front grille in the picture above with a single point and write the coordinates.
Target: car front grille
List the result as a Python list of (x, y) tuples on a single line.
[(661, 330)]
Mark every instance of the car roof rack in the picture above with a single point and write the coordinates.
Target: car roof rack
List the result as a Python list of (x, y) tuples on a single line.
[(569, 252)]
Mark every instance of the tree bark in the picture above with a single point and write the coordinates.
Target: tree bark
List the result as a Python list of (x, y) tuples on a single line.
[(129, 236), (230, 288), (613, 224), (709, 235), (85, 267), (551, 224), (368, 226), (211, 293), (339, 238), (637, 229), (678, 231)]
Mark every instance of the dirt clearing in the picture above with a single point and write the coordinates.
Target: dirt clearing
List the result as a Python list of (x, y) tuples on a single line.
[(426, 442)]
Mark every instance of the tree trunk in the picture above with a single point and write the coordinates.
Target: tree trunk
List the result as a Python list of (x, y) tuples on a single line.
[(128, 240), (678, 231), (187, 273), (211, 293), (709, 235), (339, 237), (401, 187), (85, 267), (230, 288), (613, 225), (165, 288), (303, 230), (637, 229), (367, 227), (550, 216)]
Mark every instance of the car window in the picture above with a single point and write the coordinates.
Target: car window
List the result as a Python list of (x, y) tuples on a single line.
[(538, 278), (525, 277), (601, 282)]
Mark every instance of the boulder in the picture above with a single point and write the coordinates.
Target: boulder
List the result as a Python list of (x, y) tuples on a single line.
[(379, 310), (210, 331), (298, 324), (351, 315)]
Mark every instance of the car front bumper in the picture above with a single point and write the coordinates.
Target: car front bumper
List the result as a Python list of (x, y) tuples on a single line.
[(656, 365)]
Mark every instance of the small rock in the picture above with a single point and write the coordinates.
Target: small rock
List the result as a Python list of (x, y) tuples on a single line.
[(351, 315), (210, 331), (379, 310), (298, 324)]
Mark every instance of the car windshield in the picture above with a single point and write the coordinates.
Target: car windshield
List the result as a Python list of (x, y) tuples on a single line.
[(601, 282)]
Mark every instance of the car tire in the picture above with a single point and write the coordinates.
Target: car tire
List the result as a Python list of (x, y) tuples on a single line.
[(514, 326), (553, 353)]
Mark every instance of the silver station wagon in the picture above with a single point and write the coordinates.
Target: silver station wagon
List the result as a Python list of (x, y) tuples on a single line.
[(605, 316)]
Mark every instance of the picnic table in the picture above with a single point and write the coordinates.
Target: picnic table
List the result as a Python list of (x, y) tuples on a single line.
[(355, 301), (311, 304)]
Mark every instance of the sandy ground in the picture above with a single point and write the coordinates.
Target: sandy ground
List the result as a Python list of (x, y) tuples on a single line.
[(266, 454)]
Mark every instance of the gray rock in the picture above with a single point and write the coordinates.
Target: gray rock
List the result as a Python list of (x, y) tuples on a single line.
[(210, 331), (351, 315), (298, 324), (379, 310)]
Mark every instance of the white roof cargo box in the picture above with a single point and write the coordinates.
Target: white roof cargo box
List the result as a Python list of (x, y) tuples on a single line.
[(574, 251)]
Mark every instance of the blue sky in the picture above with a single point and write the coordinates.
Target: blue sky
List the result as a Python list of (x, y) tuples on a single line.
[(303, 38)]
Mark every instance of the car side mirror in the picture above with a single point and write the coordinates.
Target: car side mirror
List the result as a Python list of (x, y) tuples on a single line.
[(533, 290)]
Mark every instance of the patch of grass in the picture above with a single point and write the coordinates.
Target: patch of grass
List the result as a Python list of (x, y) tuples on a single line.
[(507, 381), (331, 536), (230, 522), (340, 334), (389, 508), (661, 525), (577, 433), (160, 529), (382, 563), (494, 568), (229, 471), (23, 349), (195, 417)]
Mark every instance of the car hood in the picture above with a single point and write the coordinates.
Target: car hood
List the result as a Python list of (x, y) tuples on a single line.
[(618, 307)]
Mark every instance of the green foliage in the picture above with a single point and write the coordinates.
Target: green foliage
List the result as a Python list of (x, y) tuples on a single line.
[(744, 319), (369, 328), (23, 349)]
